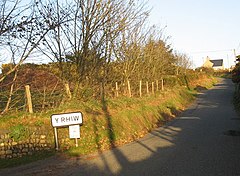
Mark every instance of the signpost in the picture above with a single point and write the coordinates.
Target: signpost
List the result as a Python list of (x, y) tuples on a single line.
[(67, 119), (74, 133), (73, 120)]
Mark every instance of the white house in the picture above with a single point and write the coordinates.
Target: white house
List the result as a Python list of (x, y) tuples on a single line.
[(215, 64)]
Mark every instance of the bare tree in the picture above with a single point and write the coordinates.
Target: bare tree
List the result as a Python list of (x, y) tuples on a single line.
[(23, 28), (55, 44), (183, 63), (12, 84), (91, 36)]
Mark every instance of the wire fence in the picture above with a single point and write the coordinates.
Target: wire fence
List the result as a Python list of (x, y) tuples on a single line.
[(41, 99)]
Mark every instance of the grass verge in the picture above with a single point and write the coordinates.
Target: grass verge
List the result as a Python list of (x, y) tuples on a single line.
[(115, 122), (111, 122)]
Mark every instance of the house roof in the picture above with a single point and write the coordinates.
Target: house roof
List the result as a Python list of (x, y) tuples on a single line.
[(217, 63)]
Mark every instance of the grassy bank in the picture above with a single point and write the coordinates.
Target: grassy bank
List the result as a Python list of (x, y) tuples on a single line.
[(113, 122)]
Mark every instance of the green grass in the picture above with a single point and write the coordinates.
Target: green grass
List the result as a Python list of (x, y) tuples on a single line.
[(108, 123), (18, 132), (128, 119)]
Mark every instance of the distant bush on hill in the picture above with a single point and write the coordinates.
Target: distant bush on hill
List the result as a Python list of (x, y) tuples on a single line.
[(236, 74)]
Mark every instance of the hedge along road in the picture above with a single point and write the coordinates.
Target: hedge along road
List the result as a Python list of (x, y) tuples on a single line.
[(202, 141)]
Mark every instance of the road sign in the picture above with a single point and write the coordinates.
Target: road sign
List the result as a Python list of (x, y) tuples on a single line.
[(67, 119), (74, 131)]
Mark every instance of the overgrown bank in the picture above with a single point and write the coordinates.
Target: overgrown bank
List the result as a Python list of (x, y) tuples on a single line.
[(114, 122), (107, 123)]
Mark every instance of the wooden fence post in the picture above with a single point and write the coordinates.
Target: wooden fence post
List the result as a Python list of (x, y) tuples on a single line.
[(140, 88), (68, 91), (162, 85), (116, 89), (147, 87), (129, 89), (157, 85), (29, 99), (152, 87)]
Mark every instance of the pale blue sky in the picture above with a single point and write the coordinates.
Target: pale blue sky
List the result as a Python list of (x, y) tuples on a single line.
[(200, 28)]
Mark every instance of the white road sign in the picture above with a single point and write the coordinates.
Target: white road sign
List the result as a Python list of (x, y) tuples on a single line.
[(74, 131), (67, 119)]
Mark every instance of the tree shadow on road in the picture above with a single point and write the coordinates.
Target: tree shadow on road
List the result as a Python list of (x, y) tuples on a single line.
[(174, 149), (120, 162)]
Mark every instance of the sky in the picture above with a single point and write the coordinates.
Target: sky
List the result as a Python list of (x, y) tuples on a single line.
[(200, 28)]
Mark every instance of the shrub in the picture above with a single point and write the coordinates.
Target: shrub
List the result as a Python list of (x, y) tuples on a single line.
[(209, 71), (236, 74), (18, 132), (170, 81)]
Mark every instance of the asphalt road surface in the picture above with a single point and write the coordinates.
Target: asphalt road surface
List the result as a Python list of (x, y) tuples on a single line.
[(203, 141)]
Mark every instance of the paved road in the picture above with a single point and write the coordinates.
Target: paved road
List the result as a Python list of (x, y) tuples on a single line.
[(198, 143)]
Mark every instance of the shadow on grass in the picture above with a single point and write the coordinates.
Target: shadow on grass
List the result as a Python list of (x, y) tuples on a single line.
[(8, 163), (187, 82), (123, 163), (200, 88), (165, 151)]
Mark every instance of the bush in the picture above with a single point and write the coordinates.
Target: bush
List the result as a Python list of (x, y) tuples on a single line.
[(18, 132), (170, 81), (236, 74), (209, 71)]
